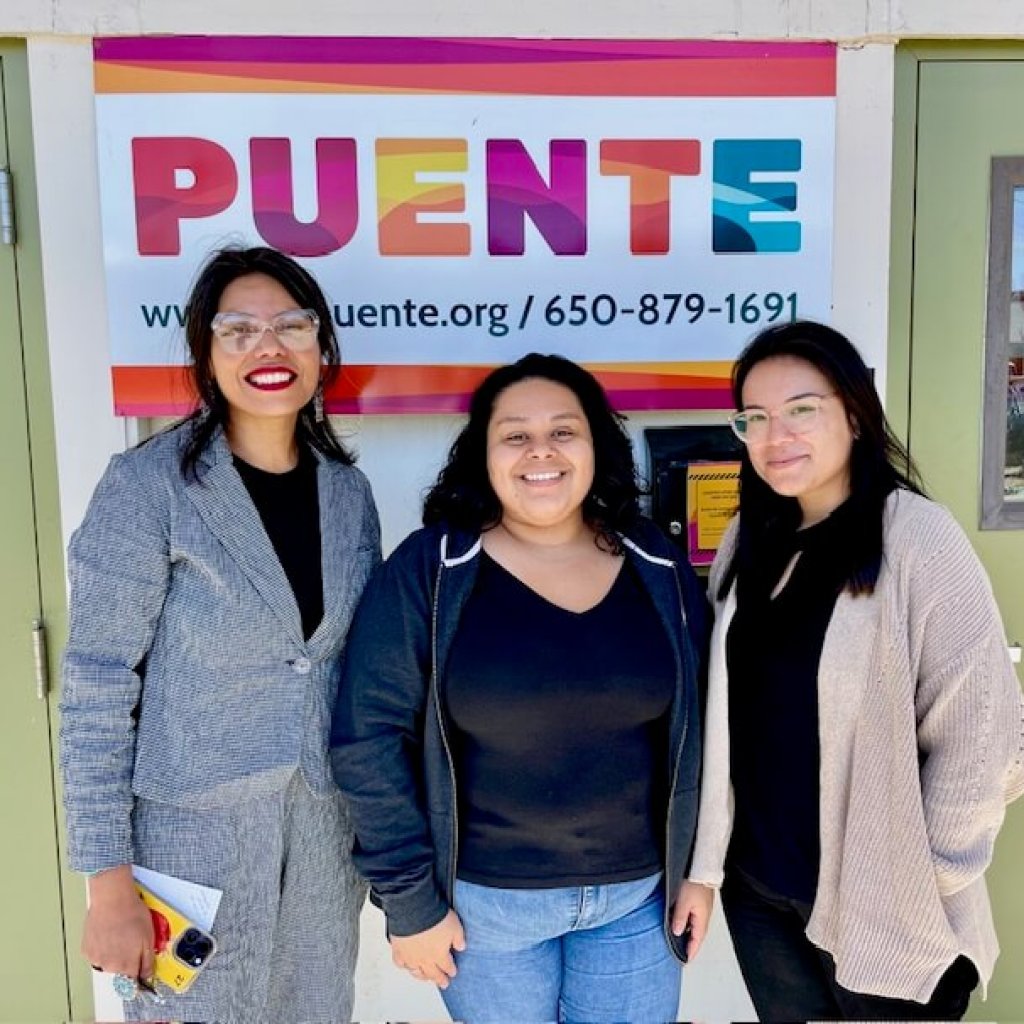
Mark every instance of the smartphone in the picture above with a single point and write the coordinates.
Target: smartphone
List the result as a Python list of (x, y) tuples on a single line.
[(684, 943), (182, 948)]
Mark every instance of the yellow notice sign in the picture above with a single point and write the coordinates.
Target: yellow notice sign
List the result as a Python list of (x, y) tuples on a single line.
[(712, 494)]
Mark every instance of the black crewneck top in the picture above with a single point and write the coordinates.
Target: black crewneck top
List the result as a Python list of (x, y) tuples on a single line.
[(773, 649), (289, 507)]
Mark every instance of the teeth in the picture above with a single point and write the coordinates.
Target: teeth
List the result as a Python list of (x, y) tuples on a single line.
[(275, 377), (540, 477)]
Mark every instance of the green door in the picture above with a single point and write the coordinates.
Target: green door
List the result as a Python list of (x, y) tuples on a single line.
[(965, 108), (33, 966)]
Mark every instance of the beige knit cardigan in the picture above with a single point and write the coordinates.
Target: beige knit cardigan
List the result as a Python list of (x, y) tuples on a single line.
[(921, 724)]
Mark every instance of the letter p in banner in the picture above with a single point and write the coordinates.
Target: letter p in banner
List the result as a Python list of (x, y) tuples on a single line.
[(161, 202)]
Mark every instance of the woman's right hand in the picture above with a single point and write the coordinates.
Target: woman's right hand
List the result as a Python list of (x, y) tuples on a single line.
[(427, 955), (118, 935)]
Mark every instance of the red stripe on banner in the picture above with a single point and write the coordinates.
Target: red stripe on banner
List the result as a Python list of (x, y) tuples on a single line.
[(679, 78)]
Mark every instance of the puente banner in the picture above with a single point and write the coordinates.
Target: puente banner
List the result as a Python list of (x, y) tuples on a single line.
[(642, 207)]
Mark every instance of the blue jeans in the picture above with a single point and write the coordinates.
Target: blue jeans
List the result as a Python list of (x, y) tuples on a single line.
[(587, 953)]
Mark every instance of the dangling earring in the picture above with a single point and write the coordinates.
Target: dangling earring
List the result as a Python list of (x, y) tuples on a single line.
[(318, 403), (211, 388)]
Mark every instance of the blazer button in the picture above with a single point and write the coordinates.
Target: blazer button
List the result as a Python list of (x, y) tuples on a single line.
[(301, 666)]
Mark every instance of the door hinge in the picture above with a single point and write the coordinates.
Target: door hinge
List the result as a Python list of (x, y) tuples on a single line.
[(41, 661), (8, 236)]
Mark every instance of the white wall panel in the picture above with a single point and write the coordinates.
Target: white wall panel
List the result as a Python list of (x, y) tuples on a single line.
[(750, 19)]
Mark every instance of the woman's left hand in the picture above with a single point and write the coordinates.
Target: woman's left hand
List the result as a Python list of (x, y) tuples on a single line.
[(427, 955), (692, 909)]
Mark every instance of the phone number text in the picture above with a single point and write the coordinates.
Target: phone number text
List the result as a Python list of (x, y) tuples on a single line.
[(654, 308)]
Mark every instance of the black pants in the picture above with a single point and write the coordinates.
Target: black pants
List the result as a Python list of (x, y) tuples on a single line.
[(790, 979)]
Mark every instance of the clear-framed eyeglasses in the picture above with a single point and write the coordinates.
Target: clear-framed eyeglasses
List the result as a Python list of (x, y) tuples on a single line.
[(797, 416), (239, 333)]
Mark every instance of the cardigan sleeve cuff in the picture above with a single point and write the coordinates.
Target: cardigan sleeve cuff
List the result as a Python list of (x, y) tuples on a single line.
[(704, 875)]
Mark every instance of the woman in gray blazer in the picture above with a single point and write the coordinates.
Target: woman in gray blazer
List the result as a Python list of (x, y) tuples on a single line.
[(212, 584)]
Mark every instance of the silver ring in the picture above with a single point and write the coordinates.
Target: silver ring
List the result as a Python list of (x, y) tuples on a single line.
[(125, 987)]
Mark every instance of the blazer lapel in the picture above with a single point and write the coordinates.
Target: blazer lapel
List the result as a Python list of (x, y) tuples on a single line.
[(223, 502), (341, 525)]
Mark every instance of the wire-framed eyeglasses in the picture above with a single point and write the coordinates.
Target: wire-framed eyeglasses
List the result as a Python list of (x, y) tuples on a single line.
[(239, 333), (797, 416)]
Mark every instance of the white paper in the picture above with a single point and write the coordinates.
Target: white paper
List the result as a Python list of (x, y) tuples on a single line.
[(198, 903)]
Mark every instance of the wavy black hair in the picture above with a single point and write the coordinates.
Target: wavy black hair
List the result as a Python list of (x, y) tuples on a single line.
[(879, 463), (220, 269), (463, 496)]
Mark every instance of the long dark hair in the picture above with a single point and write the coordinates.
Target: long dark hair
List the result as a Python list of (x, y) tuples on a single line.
[(221, 268), (879, 463), (463, 496)]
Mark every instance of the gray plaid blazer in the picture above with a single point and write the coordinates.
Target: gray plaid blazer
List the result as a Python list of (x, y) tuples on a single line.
[(186, 677)]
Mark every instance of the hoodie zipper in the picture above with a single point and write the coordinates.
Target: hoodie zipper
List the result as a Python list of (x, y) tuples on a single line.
[(675, 770), (444, 738)]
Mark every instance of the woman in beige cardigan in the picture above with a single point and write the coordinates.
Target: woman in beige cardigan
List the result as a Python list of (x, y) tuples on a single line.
[(864, 723)]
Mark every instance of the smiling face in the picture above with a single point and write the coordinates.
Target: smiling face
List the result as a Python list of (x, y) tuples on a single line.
[(813, 467), (271, 381), (540, 455)]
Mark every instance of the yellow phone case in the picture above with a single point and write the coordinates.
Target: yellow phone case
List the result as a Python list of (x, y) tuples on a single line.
[(182, 948)]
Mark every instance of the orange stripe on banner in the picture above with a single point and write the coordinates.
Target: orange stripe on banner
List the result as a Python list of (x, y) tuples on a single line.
[(167, 385), (111, 79), (640, 376), (170, 387), (167, 390), (388, 381)]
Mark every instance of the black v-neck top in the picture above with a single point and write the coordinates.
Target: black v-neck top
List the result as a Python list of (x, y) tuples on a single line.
[(289, 506), (560, 732), (773, 649)]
